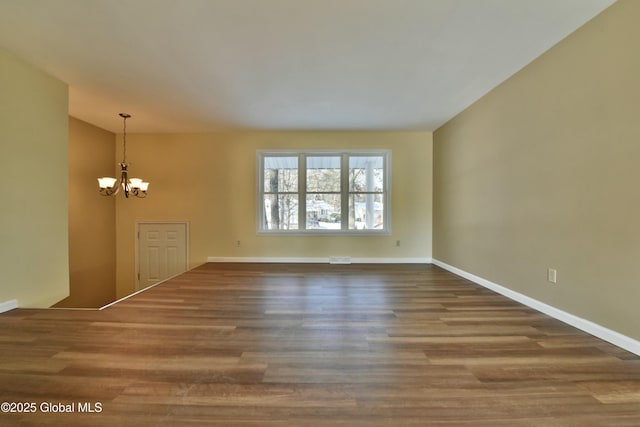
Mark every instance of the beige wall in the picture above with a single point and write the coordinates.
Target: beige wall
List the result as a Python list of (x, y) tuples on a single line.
[(92, 217), (210, 180), (34, 265), (543, 172)]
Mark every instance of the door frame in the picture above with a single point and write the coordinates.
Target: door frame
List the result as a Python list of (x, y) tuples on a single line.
[(137, 246)]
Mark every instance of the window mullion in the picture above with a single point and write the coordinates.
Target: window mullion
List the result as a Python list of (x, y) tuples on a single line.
[(262, 226), (344, 192), (302, 192)]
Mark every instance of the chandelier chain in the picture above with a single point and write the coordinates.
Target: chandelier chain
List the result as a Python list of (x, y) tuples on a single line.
[(124, 138)]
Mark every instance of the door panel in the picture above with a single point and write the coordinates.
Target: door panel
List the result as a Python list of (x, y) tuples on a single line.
[(162, 252)]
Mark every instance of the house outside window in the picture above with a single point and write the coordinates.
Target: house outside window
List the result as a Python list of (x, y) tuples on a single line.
[(324, 192)]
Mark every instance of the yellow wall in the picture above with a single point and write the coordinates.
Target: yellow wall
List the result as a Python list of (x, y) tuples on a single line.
[(34, 263), (544, 172), (210, 180), (92, 234)]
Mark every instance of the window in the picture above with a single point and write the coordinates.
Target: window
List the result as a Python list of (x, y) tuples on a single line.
[(323, 192)]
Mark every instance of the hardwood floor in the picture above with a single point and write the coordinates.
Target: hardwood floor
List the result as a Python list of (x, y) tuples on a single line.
[(282, 345)]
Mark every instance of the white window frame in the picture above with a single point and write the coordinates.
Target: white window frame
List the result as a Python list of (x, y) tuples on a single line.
[(344, 192)]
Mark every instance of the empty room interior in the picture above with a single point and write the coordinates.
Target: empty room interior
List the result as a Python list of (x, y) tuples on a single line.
[(301, 212)]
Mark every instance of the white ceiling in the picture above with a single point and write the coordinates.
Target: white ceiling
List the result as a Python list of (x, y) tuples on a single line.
[(208, 65)]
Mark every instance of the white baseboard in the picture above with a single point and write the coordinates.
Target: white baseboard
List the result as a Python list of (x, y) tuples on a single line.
[(307, 260), (8, 305), (391, 260), (320, 260), (588, 326)]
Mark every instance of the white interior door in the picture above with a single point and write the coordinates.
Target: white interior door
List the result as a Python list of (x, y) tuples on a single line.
[(162, 252)]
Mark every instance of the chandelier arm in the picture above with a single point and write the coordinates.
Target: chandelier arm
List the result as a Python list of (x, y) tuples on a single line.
[(116, 187), (138, 193)]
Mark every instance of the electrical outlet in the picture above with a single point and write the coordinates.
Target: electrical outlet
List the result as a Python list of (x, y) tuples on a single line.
[(552, 275), (397, 242)]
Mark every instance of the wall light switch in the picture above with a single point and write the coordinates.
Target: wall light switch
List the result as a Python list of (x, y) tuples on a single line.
[(552, 275)]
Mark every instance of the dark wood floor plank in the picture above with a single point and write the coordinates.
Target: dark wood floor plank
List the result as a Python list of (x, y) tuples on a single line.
[(282, 345)]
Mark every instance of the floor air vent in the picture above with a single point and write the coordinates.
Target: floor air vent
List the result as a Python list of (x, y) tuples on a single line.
[(339, 260)]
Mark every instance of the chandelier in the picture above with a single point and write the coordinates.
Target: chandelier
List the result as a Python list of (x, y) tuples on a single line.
[(111, 186)]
